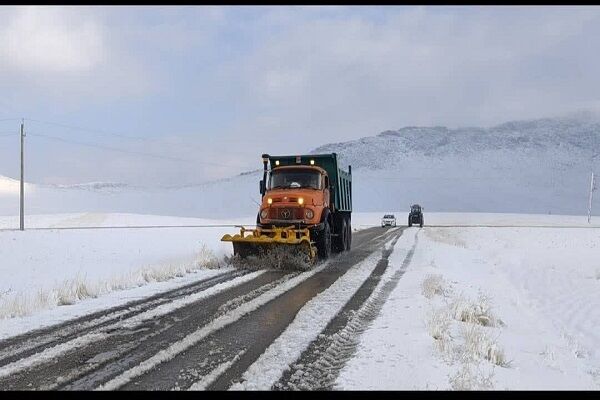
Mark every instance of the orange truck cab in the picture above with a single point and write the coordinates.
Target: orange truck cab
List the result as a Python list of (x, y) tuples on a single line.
[(308, 191)]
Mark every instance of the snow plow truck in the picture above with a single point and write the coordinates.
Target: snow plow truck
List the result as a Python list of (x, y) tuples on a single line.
[(306, 207)]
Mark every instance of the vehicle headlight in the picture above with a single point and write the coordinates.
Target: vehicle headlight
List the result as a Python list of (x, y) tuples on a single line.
[(264, 213), (300, 200), (270, 200), (309, 213)]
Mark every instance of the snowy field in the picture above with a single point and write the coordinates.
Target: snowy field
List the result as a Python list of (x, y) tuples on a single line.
[(483, 308)]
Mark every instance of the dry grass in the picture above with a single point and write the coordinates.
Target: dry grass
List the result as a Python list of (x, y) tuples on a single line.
[(74, 290), (470, 377), (478, 345), (433, 285), (79, 288), (438, 327), (475, 312)]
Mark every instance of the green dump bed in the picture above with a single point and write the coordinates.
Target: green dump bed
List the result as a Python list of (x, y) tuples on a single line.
[(340, 180)]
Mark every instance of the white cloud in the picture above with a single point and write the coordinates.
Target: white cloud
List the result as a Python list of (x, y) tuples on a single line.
[(354, 75), (68, 58), (50, 39)]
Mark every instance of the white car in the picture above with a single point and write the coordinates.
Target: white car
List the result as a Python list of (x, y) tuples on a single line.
[(388, 220)]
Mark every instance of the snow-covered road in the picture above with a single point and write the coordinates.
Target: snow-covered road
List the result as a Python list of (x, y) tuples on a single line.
[(227, 321)]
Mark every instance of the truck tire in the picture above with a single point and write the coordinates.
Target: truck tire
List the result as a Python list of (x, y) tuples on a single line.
[(339, 241), (409, 221), (349, 235), (324, 242), (421, 225)]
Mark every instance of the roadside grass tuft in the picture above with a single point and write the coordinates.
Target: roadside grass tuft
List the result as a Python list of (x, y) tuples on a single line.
[(433, 285), (438, 325), (477, 345), (71, 291), (470, 377), (475, 312)]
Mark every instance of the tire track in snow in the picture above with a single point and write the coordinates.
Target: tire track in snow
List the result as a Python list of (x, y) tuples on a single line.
[(25, 345), (123, 330), (313, 304), (190, 340), (252, 333), (183, 324), (321, 363), (210, 378)]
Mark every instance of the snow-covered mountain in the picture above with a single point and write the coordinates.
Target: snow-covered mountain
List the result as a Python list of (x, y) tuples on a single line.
[(559, 138), (535, 166)]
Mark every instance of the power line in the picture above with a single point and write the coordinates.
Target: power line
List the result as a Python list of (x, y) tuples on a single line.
[(60, 139), (104, 132), (139, 153), (87, 129)]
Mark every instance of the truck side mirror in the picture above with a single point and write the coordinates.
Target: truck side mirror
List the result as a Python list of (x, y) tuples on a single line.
[(262, 188)]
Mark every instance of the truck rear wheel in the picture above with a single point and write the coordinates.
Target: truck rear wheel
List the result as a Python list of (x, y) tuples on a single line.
[(340, 241), (323, 242), (349, 234)]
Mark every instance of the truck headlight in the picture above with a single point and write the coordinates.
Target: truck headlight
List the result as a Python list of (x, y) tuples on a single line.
[(300, 200), (270, 200), (309, 213), (264, 213)]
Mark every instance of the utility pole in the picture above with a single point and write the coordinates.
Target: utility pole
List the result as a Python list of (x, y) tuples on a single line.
[(592, 184), (22, 208)]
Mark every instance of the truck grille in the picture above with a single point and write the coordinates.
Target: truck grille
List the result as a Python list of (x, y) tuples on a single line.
[(286, 213)]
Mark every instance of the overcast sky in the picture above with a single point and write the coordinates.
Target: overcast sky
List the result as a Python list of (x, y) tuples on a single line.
[(195, 93)]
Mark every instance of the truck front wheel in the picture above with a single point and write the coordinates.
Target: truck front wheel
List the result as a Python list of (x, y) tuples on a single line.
[(324, 242)]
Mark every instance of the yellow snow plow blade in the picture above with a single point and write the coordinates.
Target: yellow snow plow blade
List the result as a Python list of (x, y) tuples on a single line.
[(256, 241)]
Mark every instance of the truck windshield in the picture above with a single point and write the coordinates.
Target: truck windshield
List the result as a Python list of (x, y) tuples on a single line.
[(283, 179)]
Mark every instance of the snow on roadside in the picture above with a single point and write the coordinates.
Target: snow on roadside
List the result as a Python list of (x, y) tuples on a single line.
[(308, 323), (486, 308)]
